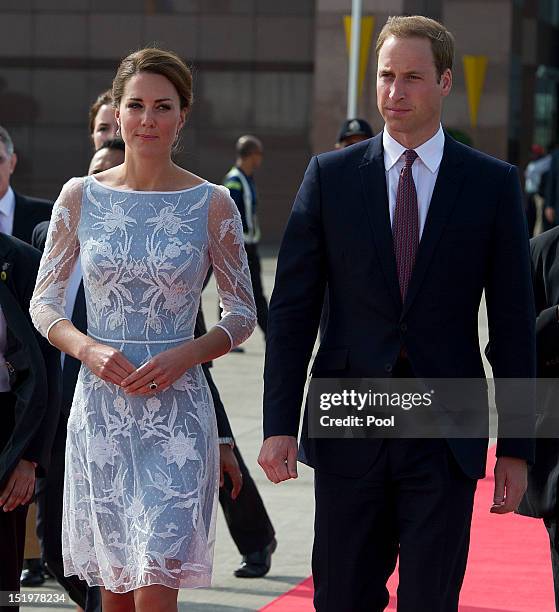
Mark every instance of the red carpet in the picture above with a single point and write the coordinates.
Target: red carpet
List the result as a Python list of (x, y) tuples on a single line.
[(509, 569)]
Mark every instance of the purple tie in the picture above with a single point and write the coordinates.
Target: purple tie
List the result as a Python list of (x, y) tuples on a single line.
[(405, 225)]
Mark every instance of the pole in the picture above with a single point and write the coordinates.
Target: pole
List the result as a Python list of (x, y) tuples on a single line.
[(352, 86)]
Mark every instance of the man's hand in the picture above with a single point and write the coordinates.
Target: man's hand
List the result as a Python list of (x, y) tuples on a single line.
[(20, 486), (511, 480), (228, 464), (278, 458)]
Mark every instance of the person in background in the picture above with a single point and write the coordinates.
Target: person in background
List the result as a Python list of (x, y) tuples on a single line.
[(109, 155), (536, 168), (541, 500), (102, 122), (353, 131), (19, 214), (240, 182), (30, 401)]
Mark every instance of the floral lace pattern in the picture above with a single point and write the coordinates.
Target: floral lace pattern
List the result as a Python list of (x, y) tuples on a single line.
[(142, 473)]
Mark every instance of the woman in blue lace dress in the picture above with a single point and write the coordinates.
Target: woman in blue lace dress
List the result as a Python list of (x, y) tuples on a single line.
[(142, 460)]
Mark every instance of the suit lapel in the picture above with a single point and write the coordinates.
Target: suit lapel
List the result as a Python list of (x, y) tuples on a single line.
[(373, 181), (445, 195)]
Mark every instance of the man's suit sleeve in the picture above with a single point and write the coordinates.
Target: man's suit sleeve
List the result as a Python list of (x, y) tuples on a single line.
[(550, 199), (223, 425), (511, 313), (38, 450), (39, 235), (547, 323), (295, 308)]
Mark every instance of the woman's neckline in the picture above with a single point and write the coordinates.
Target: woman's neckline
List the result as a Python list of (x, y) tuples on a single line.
[(92, 176)]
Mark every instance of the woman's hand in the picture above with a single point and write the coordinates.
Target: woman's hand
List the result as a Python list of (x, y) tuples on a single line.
[(163, 370), (106, 362), (20, 486)]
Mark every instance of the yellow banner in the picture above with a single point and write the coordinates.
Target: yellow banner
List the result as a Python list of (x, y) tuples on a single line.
[(475, 67), (367, 28)]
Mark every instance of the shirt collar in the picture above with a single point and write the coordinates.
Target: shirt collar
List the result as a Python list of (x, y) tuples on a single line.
[(430, 152), (8, 203)]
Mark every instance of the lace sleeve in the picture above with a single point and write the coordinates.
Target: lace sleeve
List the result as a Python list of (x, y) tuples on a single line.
[(61, 251), (230, 266)]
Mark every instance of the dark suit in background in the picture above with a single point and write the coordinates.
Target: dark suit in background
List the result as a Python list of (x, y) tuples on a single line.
[(28, 213), (30, 410), (246, 516), (339, 233), (540, 500)]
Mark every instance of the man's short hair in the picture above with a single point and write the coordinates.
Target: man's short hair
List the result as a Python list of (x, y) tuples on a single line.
[(7, 140), (417, 26), (247, 145), (114, 144)]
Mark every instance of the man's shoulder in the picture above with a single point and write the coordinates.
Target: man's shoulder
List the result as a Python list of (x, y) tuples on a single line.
[(543, 242), (353, 154), (474, 156), (40, 204), (232, 180), (17, 250), (39, 235)]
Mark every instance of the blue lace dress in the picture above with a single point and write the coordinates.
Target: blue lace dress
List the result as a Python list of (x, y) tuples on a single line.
[(142, 473)]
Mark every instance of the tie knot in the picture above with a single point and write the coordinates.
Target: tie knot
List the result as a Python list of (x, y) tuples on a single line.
[(410, 157)]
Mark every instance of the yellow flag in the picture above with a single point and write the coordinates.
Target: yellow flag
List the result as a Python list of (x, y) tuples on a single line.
[(475, 67), (367, 27)]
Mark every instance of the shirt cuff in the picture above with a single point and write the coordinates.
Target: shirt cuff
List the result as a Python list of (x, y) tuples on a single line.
[(227, 440)]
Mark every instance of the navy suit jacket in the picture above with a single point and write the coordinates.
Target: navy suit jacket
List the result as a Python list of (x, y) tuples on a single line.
[(28, 213), (35, 379), (339, 234)]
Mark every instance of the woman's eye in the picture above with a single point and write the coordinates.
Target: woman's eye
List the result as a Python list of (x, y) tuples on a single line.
[(133, 105), (164, 107)]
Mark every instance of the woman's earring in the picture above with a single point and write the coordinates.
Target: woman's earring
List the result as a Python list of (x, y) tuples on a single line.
[(117, 133)]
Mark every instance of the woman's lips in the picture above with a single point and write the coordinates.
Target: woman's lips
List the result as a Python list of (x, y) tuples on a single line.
[(147, 136)]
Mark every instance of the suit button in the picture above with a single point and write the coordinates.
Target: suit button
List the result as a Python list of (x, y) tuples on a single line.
[(388, 367), (403, 327)]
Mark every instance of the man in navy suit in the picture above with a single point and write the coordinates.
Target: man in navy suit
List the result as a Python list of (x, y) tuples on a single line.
[(407, 229), (19, 214)]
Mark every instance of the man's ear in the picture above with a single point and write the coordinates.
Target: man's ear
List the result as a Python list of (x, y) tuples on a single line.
[(13, 163), (446, 82)]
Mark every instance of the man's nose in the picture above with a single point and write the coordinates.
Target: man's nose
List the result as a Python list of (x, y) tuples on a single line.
[(397, 91)]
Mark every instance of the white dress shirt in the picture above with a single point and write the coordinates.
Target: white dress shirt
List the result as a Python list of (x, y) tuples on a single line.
[(7, 208), (425, 170), (4, 376)]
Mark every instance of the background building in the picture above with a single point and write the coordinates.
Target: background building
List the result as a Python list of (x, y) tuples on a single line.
[(275, 69)]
